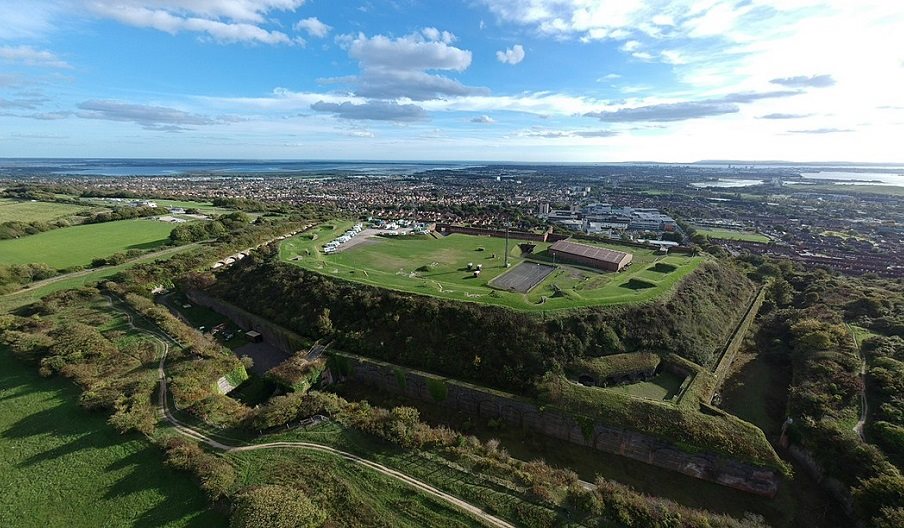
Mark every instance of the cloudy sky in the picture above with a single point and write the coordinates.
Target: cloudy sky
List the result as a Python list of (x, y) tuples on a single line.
[(517, 80)]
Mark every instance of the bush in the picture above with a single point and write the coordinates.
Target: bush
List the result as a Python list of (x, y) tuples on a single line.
[(273, 506), (217, 476)]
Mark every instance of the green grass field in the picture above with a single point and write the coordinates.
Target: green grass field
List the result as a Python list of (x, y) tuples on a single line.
[(64, 467), (438, 267), (729, 234), (78, 245), (28, 211)]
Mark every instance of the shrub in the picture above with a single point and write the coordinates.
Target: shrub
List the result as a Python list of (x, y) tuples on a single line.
[(273, 506)]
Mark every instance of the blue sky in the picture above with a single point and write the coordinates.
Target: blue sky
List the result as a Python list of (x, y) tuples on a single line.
[(516, 80)]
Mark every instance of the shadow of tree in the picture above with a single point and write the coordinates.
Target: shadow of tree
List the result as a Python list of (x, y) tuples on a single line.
[(130, 464)]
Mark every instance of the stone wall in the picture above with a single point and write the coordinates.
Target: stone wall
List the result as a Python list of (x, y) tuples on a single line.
[(520, 412), (514, 410)]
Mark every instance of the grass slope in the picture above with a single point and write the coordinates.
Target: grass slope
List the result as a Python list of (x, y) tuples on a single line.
[(438, 267), (64, 467), (27, 211), (78, 245)]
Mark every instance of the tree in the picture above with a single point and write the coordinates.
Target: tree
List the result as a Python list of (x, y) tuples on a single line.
[(273, 506), (324, 323)]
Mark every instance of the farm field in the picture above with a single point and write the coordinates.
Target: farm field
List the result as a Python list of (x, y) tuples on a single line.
[(729, 234), (78, 245), (27, 211), (65, 467), (438, 267)]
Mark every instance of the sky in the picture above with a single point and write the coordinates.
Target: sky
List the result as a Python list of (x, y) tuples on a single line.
[(495, 80)]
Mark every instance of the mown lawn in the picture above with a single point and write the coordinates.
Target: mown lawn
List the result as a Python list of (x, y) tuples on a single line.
[(61, 466), (28, 211), (438, 267), (78, 245)]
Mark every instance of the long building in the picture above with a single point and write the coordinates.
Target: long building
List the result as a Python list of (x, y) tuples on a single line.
[(593, 256)]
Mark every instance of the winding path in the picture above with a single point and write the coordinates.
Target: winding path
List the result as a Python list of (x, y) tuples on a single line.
[(199, 436)]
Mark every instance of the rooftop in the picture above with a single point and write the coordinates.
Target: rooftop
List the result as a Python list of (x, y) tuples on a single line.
[(596, 253)]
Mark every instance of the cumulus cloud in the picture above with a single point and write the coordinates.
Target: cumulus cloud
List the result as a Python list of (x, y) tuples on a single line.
[(222, 20), (412, 52), (393, 68), (372, 111), (31, 56), (483, 120), (148, 116), (684, 110), (313, 27), (512, 55), (805, 81)]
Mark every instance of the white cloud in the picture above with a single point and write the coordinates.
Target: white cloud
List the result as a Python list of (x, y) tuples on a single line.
[(32, 57), (512, 55), (483, 120), (393, 68), (223, 20), (431, 33), (313, 26), (255, 11), (412, 52)]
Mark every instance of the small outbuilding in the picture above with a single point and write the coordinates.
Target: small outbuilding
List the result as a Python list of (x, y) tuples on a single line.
[(254, 337)]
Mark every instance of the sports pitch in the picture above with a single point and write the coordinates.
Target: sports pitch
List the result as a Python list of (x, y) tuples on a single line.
[(438, 265)]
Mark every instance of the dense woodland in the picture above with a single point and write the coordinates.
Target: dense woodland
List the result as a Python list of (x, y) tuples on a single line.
[(494, 346), (808, 325)]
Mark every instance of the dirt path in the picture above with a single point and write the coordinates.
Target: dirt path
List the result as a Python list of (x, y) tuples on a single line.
[(163, 408)]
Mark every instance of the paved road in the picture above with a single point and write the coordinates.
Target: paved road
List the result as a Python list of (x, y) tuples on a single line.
[(186, 430)]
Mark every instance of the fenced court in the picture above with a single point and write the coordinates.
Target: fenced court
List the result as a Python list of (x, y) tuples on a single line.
[(523, 277)]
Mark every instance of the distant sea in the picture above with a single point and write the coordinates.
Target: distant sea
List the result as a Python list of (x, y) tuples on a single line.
[(212, 168), (181, 167)]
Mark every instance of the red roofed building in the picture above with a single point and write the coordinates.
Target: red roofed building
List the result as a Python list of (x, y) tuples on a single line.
[(593, 256)]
